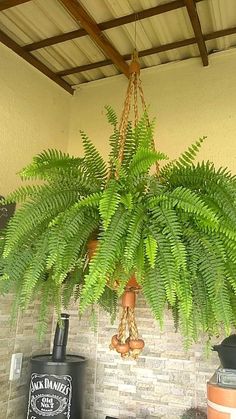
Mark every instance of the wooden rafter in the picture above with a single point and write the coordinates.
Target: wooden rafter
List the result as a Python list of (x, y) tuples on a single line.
[(87, 22), (193, 15), (220, 34), (6, 4), (4, 39), (144, 53), (113, 23), (150, 51)]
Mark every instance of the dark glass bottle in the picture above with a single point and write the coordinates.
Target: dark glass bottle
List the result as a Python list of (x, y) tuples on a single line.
[(60, 339)]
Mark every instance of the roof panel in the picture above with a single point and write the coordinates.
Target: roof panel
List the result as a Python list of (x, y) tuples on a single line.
[(40, 19)]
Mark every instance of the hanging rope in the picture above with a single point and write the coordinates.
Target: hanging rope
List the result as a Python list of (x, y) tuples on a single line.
[(134, 91), (127, 341)]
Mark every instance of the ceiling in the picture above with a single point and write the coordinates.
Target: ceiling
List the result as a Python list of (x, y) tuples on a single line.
[(74, 42)]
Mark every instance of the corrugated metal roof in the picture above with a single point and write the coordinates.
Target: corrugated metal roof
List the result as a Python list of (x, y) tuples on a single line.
[(40, 19)]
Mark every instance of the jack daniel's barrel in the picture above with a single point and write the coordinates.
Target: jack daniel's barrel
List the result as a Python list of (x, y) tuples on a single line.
[(57, 381), (56, 388)]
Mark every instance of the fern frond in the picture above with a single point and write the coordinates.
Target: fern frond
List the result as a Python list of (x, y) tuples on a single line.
[(48, 163), (111, 116), (151, 249), (154, 292), (143, 160), (109, 202), (127, 200), (184, 294), (130, 147), (65, 250), (23, 193), (46, 293), (134, 234), (186, 159), (93, 160), (167, 268), (166, 221), (140, 262), (35, 271), (73, 279), (35, 215), (108, 302), (144, 132), (104, 261), (190, 202), (213, 271)]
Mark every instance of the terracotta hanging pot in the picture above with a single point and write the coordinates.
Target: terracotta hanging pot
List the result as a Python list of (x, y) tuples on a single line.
[(133, 283), (92, 246), (128, 299)]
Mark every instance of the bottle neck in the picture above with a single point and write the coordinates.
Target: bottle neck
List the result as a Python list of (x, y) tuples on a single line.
[(60, 339)]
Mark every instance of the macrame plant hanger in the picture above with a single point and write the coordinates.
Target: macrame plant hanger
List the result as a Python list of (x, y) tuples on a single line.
[(127, 341)]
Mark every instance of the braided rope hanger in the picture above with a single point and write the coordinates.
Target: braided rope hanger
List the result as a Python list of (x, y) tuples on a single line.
[(131, 346), (134, 88)]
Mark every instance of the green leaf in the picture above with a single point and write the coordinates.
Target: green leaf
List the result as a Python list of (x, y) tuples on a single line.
[(187, 158), (133, 236), (143, 160), (93, 160), (190, 202), (154, 292), (127, 200), (49, 163), (151, 249), (104, 262), (109, 202)]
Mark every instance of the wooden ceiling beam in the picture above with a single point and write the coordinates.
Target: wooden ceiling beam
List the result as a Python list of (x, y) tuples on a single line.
[(4, 39), (220, 34), (193, 15), (85, 67), (7, 4), (88, 23), (57, 39), (113, 23), (144, 53), (150, 51)]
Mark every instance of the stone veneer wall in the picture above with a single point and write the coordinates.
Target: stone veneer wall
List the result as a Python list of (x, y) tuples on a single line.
[(161, 384), (20, 338)]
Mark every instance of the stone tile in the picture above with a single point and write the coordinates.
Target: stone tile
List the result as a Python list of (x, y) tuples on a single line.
[(3, 409), (17, 408)]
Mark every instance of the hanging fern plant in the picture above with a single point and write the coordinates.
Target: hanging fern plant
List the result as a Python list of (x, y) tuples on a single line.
[(175, 230)]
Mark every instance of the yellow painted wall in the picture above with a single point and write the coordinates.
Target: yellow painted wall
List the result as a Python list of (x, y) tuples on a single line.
[(34, 115), (188, 100)]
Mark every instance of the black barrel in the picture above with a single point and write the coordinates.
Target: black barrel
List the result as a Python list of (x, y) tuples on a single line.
[(57, 386)]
